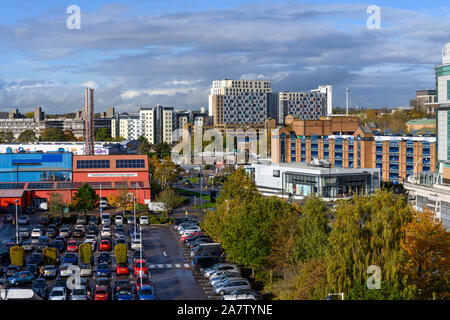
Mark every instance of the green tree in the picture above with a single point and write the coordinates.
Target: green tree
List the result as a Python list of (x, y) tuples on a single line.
[(52, 134), (102, 134), (57, 203), (313, 227), (144, 147), (367, 230), (166, 172), (238, 186), (120, 252), (17, 255), (85, 250), (85, 198), (170, 199), (6, 137), (162, 149), (69, 136), (27, 136), (29, 114), (50, 256)]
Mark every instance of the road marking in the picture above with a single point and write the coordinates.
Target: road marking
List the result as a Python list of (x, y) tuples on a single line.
[(178, 266), (169, 266), (186, 265), (160, 266), (152, 266)]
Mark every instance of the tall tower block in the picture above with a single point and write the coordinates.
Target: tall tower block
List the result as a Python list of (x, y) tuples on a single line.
[(89, 122)]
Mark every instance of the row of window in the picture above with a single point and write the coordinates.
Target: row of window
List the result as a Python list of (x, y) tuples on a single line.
[(105, 164)]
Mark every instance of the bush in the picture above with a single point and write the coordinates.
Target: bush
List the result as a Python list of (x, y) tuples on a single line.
[(120, 251), (85, 250), (17, 255), (163, 218), (50, 256), (154, 220)]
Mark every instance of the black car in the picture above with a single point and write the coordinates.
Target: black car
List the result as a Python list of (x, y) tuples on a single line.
[(8, 218), (137, 255), (78, 233), (30, 210), (60, 282), (93, 220), (103, 257), (33, 268), (35, 258), (122, 285), (60, 245), (204, 262), (4, 255), (43, 242), (41, 288), (57, 221), (52, 232), (44, 220), (92, 229)]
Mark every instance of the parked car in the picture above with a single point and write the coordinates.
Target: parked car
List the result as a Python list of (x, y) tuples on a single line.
[(105, 245), (232, 285), (92, 229), (141, 280), (93, 220), (72, 246), (85, 270), (57, 221), (140, 266), (28, 245), (124, 294), (81, 220), (8, 218), (24, 232), (199, 263), (64, 232), (146, 292), (101, 293), (243, 294), (60, 245), (70, 257), (122, 268), (11, 270), (118, 220), (103, 270), (36, 232), (30, 210), (24, 220), (106, 232), (79, 293), (21, 277), (103, 257), (33, 268), (135, 244), (35, 258), (41, 288), (44, 220), (102, 282), (58, 293), (143, 220), (223, 276), (221, 267), (52, 232), (65, 270), (78, 233), (50, 271)]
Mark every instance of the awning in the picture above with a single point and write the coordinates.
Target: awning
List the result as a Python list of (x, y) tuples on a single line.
[(11, 193)]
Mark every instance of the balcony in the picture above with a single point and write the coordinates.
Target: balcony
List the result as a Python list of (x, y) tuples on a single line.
[(393, 170)]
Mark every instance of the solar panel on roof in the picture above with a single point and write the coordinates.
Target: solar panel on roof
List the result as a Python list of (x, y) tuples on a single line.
[(12, 185), (64, 185), (40, 185)]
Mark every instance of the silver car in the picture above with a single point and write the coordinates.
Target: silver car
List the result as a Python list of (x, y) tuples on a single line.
[(58, 293), (50, 271), (79, 293), (232, 285), (85, 270), (223, 277), (24, 232), (28, 245), (221, 267)]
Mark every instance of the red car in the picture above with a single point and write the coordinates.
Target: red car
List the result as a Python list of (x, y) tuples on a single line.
[(145, 281), (140, 266), (72, 246), (122, 268), (101, 293), (184, 238), (104, 245)]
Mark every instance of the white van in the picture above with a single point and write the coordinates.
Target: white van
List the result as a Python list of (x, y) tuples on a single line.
[(103, 204), (43, 206)]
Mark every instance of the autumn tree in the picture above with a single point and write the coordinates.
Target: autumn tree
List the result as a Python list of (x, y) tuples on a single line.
[(69, 136), (57, 202), (166, 172), (52, 134), (120, 199), (170, 199), (6, 137), (427, 246)]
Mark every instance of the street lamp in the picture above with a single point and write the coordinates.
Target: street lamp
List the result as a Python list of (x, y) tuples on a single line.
[(131, 197), (17, 224), (140, 250)]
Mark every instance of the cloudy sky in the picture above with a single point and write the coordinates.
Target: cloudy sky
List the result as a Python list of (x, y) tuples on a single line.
[(144, 52)]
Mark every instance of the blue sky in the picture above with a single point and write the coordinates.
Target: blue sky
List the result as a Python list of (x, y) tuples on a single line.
[(144, 52)]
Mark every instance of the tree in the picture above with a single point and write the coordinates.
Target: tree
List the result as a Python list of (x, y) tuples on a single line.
[(102, 134), (85, 250), (162, 149), (120, 199), (57, 203), (85, 198), (311, 281), (52, 134), (144, 147), (69, 136), (17, 255), (27, 136), (29, 114), (170, 199), (238, 186), (313, 228), (6, 137), (50, 256), (427, 245), (166, 172), (367, 230)]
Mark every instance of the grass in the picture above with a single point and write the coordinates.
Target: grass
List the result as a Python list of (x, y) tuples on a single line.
[(205, 205)]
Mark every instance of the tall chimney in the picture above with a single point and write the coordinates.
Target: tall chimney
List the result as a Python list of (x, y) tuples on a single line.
[(89, 122)]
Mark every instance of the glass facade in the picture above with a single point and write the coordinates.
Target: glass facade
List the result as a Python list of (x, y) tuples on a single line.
[(93, 164)]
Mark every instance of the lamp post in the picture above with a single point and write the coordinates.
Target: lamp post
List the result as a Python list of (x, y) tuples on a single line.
[(140, 250), (17, 224)]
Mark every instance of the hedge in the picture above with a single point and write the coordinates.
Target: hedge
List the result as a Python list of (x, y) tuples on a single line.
[(120, 251), (17, 255), (50, 256), (85, 250)]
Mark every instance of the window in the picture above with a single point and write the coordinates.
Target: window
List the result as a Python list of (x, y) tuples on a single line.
[(276, 173), (133, 163), (92, 164)]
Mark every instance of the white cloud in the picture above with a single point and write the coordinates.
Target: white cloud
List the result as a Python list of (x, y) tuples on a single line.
[(182, 82), (90, 84)]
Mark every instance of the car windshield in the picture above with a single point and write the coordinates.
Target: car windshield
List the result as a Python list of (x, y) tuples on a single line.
[(56, 293), (146, 292), (79, 292)]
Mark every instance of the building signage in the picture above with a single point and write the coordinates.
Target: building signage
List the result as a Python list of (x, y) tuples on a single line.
[(105, 175)]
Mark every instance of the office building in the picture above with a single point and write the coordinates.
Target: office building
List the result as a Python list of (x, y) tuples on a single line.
[(346, 144)]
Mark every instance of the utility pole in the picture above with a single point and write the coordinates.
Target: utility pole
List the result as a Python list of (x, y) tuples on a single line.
[(346, 100)]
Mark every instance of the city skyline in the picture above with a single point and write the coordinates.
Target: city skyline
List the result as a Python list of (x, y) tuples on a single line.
[(148, 53)]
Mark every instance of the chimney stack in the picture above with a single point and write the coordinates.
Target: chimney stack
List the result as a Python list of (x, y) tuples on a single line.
[(89, 122)]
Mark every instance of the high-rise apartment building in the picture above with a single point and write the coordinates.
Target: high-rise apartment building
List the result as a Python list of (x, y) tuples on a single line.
[(443, 101)]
